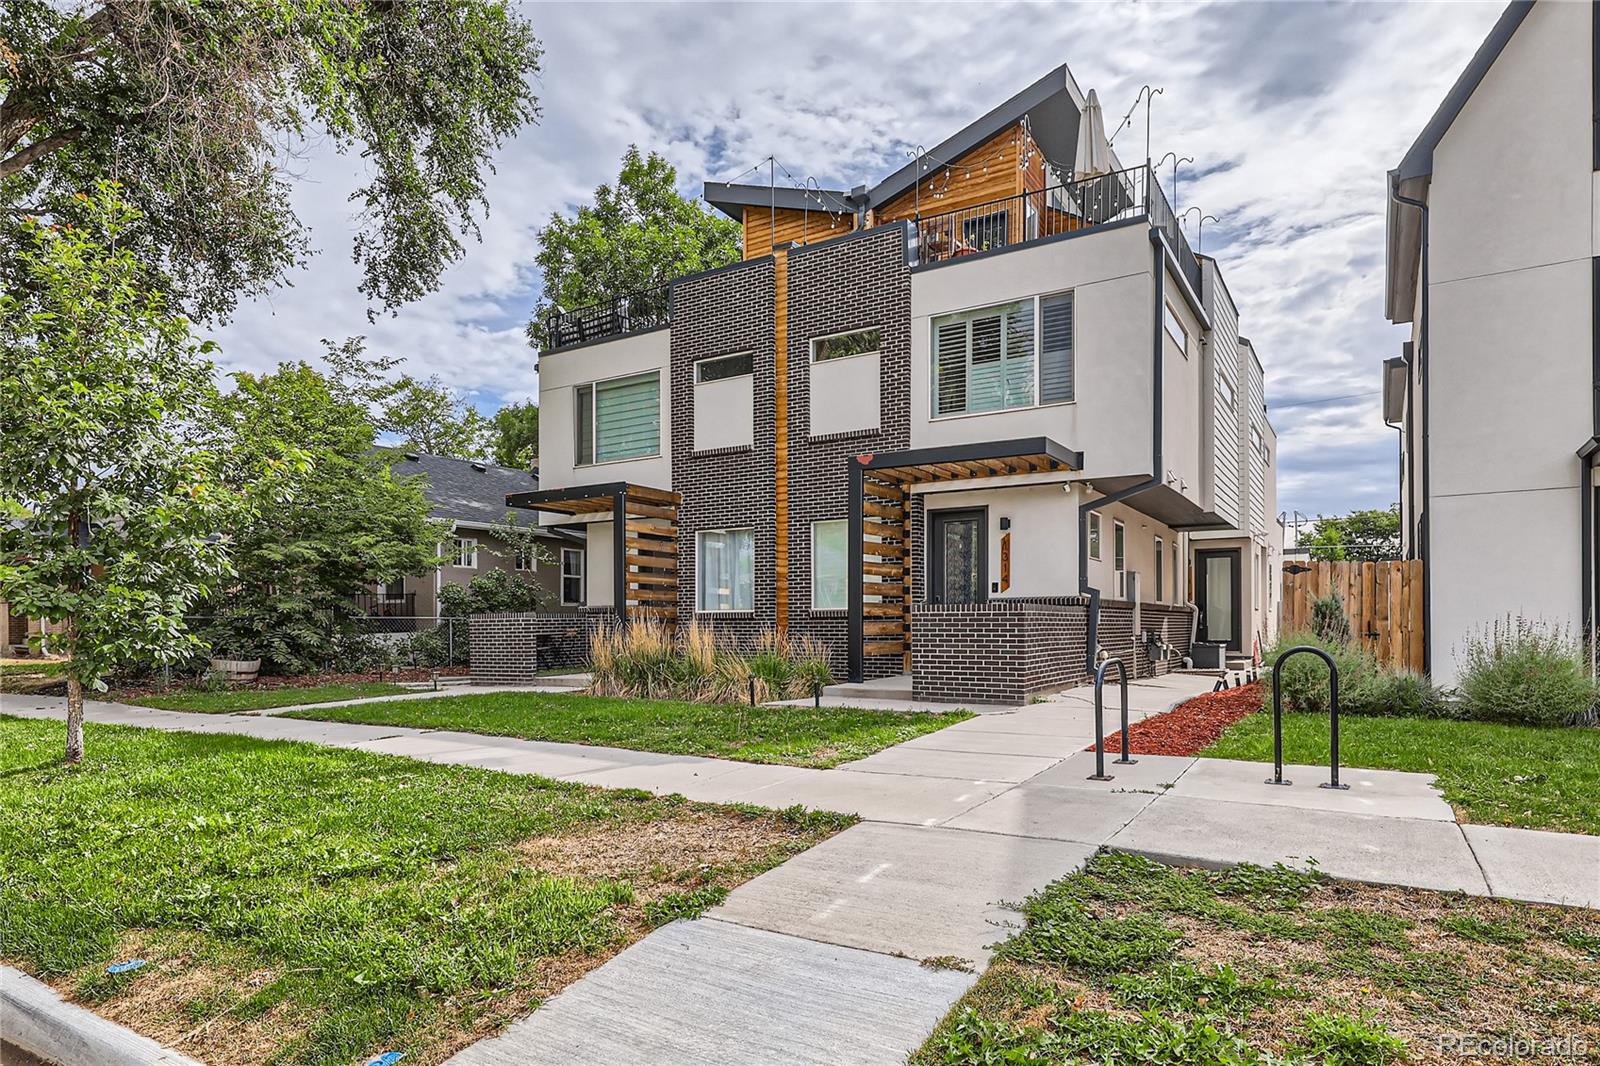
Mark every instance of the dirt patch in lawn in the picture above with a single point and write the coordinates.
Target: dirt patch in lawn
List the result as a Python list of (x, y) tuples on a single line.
[(1130, 961), (214, 1001), (1190, 727)]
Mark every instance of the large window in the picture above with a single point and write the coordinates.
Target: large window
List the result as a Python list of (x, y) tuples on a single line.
[(618, 419), (829, 565), (844, 345), (1005, 357), (572, 590), (726, 570)]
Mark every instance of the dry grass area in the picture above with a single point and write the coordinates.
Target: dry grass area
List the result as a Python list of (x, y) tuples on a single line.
[(295, 904), (1131, 962)]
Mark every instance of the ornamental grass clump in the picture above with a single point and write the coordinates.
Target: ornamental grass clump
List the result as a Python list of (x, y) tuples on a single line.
[(645, 660), (1522, 670)]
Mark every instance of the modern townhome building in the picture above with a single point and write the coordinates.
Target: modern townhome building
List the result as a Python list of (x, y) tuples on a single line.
[(471, 496), (1494, 261), (966, 423)]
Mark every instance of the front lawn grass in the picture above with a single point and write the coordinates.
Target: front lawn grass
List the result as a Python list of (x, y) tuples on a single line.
[(794, 736), (1533, 777), (32, 667), (300, 904), (1133, 962), (228, 701)]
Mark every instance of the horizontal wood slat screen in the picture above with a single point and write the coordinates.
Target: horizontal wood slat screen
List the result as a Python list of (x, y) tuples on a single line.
[(1382, 600)]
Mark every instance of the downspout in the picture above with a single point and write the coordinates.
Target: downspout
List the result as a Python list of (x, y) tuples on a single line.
[(1158, 250), (1424, 535)]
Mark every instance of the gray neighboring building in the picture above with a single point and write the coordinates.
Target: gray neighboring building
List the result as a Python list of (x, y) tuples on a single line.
[(471, 496), (1494, 261)]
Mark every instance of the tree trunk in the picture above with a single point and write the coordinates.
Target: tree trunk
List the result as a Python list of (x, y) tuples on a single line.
[(74, 720)]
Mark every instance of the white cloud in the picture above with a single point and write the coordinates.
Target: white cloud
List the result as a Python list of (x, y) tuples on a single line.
[(1294, 113)]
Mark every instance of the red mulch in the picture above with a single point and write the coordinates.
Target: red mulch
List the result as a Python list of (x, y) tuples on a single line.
[(415, 673), (1190, 727)]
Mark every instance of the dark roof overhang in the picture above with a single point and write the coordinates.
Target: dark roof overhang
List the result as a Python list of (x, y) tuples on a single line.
[(731, 199), (1051, 107), (1394, 389), (586, 499)]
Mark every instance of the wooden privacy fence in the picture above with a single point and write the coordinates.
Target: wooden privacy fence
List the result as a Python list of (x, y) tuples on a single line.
[(1382, 600)]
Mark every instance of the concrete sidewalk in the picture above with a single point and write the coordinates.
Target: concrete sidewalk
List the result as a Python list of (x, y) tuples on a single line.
[(812, 961)]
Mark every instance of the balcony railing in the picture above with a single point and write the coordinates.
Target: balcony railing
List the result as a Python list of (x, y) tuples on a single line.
[(1050, 212), (631, 312), (385, 605)]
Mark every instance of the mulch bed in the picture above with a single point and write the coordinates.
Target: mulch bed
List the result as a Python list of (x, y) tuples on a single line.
[(1190, 727)]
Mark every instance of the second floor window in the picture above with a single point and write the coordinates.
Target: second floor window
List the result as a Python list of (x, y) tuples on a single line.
[(861, 342), (467, 552), (1001, 358), (618, 419)]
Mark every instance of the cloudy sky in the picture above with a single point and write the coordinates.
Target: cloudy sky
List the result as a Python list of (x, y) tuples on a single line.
[(1293, 112)]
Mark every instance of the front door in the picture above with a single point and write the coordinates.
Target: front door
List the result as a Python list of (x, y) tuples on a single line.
[(959, 561), (1216, 592)]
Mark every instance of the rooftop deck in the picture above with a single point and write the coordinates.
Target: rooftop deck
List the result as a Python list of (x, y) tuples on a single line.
[(1009, 222)]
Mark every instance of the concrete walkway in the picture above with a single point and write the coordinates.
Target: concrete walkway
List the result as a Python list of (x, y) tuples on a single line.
[(818, 959)]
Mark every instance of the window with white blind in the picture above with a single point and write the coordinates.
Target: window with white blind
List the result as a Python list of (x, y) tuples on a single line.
[(572, 576), (1001, 358), (618, 419), (830, 565), (725, 565)]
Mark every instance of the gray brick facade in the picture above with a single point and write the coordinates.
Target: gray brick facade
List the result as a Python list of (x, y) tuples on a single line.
[(511, 649), (723, 313), (856, 282)]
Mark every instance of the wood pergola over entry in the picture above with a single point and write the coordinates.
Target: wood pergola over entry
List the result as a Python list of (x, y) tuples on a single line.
[(880, 494), (644, 541)]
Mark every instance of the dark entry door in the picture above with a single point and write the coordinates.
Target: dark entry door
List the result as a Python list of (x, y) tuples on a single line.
[(1216, 592), (960, 556)]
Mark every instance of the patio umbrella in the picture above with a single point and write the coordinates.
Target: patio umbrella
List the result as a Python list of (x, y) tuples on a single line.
[(1094, 153)]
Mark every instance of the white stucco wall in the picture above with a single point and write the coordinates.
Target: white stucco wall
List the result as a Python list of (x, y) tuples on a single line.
[(561, 371), (1182, 401), (601, 573), (1044, 536), (1512, 230), (845, 394), (1110, 275)]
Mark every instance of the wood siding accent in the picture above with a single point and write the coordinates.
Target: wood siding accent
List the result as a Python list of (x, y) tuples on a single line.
[(780, 430), (1382, 600), (793, 226), (991, 171)]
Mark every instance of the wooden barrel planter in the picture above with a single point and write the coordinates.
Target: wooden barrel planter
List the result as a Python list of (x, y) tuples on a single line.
[(236, 671)]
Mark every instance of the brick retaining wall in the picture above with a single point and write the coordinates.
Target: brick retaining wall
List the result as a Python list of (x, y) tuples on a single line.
[(1008, 650), (506, 647)]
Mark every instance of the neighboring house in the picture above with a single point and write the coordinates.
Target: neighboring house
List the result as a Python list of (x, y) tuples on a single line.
[(1494, 260), (965, 422), (471, 496)]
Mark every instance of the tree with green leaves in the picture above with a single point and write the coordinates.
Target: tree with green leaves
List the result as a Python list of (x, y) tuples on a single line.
[(112, 490), (638, 234), (192, 105), (327, 529), (428, 416), (1360, 536), (514, 435)]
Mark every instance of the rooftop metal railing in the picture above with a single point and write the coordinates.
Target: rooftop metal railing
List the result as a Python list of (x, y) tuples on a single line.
[(631, 312), (1053, 211)]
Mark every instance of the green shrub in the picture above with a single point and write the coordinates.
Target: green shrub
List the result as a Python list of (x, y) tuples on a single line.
[(1340, 1040), (1517, 670), (1328, 619), (1366, 686)]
